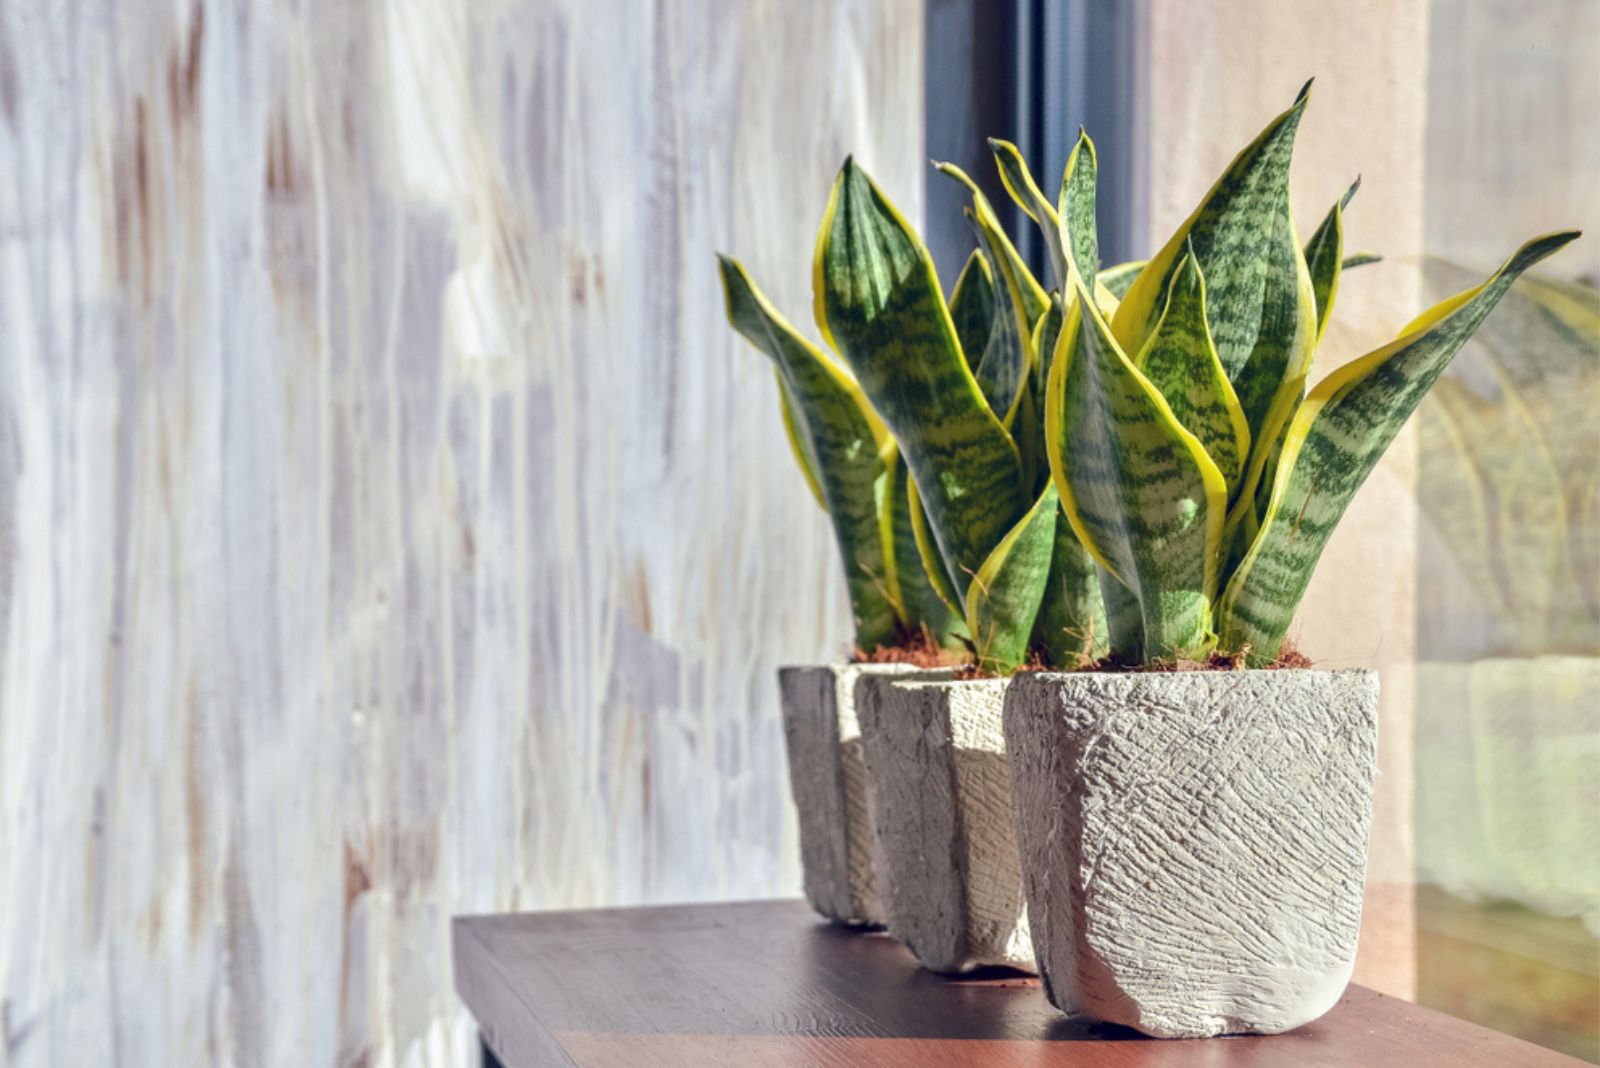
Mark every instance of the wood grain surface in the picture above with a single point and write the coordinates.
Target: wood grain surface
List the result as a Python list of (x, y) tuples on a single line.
[(766, 982), (390, 525)]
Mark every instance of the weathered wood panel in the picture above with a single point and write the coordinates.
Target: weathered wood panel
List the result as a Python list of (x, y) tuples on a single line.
[(389, 526)]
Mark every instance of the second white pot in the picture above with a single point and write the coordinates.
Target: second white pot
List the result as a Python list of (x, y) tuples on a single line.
[(940, 799)]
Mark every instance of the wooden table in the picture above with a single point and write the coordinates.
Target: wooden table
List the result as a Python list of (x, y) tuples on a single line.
[(767, 983)]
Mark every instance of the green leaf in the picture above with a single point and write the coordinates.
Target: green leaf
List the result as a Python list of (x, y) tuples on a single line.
[(880, 304), (1118, 279), (840, 443), (1018, 180), (1080, 236), (1003, 600), (1124, 621), (1046, 335), (1181, 361), (922, 607), (1259, 298), (972, 307), (1335, 440), (1002, 368), (1361, 259), (799, 444), (1071, 628), (933, 564), (1138, 489), (1325, 257), (1011, 270), (1008, 356)]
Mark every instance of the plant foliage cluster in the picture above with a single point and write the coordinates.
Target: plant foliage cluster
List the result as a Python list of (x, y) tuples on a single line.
[(1126, 463)]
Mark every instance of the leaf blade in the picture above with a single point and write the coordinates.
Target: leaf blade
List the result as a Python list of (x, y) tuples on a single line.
[(1261, 303), (1332, 445), (1004, 598), (1181, 361), (844, 443), (878, 300)]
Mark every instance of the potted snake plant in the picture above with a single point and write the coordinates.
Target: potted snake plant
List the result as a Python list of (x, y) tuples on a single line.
[(858, 477), (1194, 842), (959, 383)]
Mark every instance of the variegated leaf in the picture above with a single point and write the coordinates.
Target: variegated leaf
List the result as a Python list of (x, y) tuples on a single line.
[(1325, 257), (933, 562), (1011, 270), (799, 444), (1018, 180), (1071, 628), (1336, 438), (1118, 279), (1046, 333), (1261, 307), (841, 445), (921, 605), (1003, 600), (1002, 368), (1139, 489), (1075, 208), (1181, 361), (879, 302), (1124, 620), (1360, 259), (972, 306)]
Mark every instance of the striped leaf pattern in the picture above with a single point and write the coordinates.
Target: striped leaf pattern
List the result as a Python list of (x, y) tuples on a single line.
[(933, 562), (1139, 489), (1119, 279), (841, 446), (1075, 207), (1192, 482), (1018, 180), (972, 307), (1336, 438), (1071, 629), (1262, 310), (1003, 600), (880, 304), (1002, 364), (1325, 257), (919, 603), (1181, 361)]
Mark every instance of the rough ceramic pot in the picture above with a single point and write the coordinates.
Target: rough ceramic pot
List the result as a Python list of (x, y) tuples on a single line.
[(827, 776), (1194, 844), (941, 805)]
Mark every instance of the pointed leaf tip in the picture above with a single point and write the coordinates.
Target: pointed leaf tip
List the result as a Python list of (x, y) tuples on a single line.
[(1305, 91), (1349, 194)]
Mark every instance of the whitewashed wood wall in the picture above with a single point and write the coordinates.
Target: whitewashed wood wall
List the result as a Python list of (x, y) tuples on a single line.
[(389, 525)]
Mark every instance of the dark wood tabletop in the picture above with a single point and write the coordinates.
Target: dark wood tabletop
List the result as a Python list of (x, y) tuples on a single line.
[(767, 983)]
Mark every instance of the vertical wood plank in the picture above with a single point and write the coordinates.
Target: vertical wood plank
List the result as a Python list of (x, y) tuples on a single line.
[(389, 524)]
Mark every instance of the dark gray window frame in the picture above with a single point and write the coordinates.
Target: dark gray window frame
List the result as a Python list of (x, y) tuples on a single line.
[(1033, 71)]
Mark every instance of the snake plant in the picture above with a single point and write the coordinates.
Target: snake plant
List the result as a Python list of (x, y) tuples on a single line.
[(1191, 462), (1126, 464), (959, 383), (852, 467)]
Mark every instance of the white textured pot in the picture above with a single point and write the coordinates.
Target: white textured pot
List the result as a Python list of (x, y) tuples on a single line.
[(1194, 844), (941, 806), (827, 776)]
